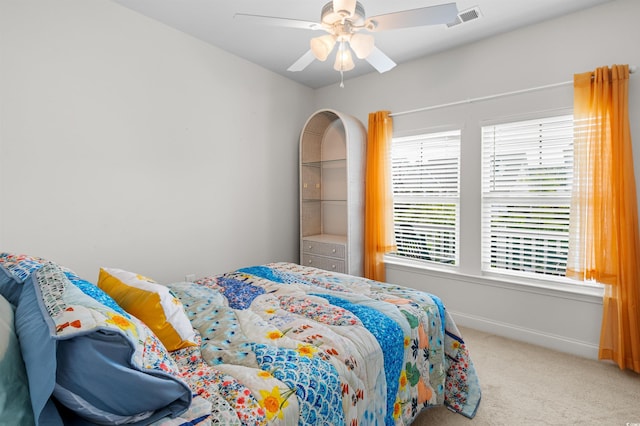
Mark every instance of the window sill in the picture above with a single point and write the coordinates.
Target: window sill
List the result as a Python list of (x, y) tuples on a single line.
[(587, 293)]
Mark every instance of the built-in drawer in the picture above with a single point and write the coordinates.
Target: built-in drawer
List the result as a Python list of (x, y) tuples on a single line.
[(324, 249), (325, 263)]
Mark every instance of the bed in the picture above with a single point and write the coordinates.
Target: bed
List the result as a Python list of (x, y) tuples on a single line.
[(279, 344)]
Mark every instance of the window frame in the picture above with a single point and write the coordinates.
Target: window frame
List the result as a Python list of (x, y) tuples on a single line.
[(516, 183), (432, 199)]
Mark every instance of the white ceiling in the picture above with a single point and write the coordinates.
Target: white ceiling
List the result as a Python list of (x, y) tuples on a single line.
[(276, 48)]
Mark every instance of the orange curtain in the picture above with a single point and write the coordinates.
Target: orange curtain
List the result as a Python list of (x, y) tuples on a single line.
[(604, 241), (378, 222)]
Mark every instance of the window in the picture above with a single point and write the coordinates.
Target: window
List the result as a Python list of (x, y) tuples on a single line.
[(527, 171), (426, 196)]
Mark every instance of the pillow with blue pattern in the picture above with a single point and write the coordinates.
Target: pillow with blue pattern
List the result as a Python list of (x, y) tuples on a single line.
[(95, 292)]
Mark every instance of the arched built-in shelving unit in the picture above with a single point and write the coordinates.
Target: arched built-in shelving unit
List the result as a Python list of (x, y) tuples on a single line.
[(332, 155)]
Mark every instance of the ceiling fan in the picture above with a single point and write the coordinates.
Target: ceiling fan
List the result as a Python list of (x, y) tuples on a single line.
[(345, 22)]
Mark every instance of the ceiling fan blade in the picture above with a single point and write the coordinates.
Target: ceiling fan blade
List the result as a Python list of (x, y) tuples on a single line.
[(380, 61), (278, 22), (304, 61), (432, 15)]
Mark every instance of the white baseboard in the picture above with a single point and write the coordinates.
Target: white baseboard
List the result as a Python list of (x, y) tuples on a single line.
[(535, 337)]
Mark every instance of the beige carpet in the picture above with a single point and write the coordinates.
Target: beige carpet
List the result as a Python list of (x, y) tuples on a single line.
[(524, 384)]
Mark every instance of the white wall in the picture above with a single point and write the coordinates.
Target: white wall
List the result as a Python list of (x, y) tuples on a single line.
[(542, 54), (128, 144)]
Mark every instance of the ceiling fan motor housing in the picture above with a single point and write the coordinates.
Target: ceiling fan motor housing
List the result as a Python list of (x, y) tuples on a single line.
[(329, 17)]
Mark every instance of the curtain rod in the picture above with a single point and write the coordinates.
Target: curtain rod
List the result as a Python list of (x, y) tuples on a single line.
[(632, 69)]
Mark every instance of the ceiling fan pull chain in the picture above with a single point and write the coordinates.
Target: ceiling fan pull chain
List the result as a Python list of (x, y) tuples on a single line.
[(341, 79)]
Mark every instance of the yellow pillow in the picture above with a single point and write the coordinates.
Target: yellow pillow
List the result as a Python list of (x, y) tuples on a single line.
[(151, 303)]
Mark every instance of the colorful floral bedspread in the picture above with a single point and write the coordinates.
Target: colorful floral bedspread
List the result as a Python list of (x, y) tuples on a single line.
[(287, 344)]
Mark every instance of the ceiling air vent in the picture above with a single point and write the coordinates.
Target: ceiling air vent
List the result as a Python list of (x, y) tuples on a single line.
[(466, 16)]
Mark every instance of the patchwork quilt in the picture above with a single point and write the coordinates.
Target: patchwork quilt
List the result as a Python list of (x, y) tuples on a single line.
[(289, 344)]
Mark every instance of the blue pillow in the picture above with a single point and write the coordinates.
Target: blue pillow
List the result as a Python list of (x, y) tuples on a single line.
[(15, 405), (100, 365)]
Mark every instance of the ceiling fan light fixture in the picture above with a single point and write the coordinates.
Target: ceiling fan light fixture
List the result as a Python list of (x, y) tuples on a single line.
[(344, 60), (322, 46), (362, 44)]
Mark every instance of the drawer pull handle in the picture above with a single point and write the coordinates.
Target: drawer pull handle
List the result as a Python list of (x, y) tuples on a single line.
[(310, 247), (333, 251), (333, 266), (310, 261)]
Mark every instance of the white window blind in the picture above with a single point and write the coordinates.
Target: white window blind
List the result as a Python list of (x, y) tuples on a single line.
[(426, 196), (527, 171)]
